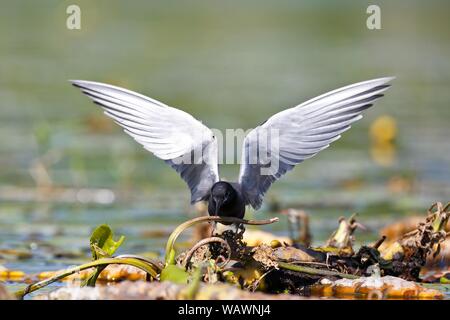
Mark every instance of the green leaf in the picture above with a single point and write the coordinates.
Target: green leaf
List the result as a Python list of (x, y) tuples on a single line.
[(102, 243), (444, 280), (102, 246), (174, 274)]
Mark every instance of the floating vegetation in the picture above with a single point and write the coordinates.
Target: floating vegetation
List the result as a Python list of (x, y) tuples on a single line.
[(375, 287), (410, 252), (12, 275), (395, 231), (224, 266)]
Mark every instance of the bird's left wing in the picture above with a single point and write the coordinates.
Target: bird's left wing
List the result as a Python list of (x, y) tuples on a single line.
[(169, 133), (296, 134)]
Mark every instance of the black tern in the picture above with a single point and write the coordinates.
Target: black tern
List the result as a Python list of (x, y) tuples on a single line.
[(174, 136)]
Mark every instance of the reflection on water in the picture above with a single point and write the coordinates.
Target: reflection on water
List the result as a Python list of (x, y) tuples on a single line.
[(66, 168)]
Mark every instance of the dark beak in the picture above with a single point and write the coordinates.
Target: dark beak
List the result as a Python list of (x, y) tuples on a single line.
[(218, 203)]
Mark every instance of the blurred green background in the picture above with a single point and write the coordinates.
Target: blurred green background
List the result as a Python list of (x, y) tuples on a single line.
[(65, 167)]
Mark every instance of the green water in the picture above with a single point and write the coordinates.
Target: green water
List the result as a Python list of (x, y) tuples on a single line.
[(232, 65)]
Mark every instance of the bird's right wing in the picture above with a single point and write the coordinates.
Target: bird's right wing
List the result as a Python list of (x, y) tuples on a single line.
[(169, 133)]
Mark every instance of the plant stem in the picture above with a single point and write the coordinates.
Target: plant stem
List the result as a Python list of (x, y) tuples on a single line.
[(203, 242), (173, 237), (155, 264), (101, 262), (314, 271)]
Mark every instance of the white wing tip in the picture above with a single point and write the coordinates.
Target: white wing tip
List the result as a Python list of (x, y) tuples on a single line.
[(383, 79), (374, 82), (75, 82), (85, 83)]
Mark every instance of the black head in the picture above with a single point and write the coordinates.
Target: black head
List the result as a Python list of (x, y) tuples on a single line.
[(222, 194)]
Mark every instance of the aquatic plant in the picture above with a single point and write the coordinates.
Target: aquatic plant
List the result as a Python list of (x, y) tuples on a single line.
[(276, 267)]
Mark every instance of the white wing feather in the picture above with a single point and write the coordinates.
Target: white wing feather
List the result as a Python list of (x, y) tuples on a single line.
[(303, 131), (169, 133)]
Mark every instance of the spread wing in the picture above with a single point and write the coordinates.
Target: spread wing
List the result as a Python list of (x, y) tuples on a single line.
[(169, 133), (298, 133)]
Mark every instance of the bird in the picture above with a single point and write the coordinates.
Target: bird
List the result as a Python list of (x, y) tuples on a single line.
[(191, 148)]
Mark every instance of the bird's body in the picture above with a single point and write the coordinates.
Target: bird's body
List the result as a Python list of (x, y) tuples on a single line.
[(226, 200), (177, 138)]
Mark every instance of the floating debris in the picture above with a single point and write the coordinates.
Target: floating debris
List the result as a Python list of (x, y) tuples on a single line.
[(12, 275), (12, 254), (439, 276), (375, 287), (396, 230), (255, 238), (409, 253), (159, 291), (341, 241), (298, 224), (224, 266)]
